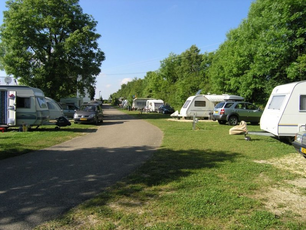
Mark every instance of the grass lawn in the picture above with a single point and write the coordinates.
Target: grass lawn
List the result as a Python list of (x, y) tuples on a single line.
[(202, 179), (15, 143)]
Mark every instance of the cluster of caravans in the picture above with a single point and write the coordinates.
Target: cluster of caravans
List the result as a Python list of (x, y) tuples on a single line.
[(284, 114), (28, 106), (148, 104)]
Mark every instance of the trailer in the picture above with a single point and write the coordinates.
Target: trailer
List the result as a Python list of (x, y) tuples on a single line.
[(55, 109), (202, 106), (22, 106), (153, 105), (139, 103), (285, 112)]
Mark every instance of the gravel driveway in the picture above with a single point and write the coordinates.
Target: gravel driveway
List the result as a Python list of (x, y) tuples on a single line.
[(41, 185)]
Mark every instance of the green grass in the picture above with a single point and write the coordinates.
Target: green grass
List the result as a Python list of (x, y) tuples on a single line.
[(198, 179), (15, 143)]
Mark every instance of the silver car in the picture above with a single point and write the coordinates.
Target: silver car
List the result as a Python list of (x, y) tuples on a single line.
[(89, 113), (235, 111)]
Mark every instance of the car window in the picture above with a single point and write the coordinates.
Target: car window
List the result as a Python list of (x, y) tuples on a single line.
[(251, 107), (220, 105), (88, 108), (228, 105), (240, 106)]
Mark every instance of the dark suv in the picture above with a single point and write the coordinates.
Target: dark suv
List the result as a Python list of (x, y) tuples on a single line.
[(235, 111)]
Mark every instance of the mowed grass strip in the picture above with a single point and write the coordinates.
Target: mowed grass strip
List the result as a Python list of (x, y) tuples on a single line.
[(198, 179), (14, 143)]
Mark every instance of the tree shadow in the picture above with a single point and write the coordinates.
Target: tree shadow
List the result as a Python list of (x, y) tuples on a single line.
[(42, 185)]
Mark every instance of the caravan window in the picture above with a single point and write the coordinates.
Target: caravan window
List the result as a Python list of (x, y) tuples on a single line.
[(199, 103), (303, 102), (42, 103), (276, 102), (186, 104), (23, 102)]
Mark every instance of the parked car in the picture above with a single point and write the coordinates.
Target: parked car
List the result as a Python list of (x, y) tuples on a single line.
[(69, 110), (165, 109), (299, 143), (89, 113), (235, 111)]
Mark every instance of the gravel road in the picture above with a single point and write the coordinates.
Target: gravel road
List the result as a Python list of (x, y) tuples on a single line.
[(42, 185)]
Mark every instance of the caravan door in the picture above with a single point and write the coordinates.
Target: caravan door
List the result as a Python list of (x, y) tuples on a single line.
[(7, 108), (11, 108)]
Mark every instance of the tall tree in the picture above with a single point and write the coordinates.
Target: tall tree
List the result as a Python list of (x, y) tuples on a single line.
[(52, 45), (266, 50)]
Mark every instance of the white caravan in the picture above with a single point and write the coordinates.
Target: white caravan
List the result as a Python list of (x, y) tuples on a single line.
[(153, 105), (202, 106), (139, 103), (55, 110), (22, 105), (285, 111)]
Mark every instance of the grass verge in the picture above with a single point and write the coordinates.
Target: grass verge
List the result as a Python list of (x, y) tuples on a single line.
[(15, 143), (201, 179)]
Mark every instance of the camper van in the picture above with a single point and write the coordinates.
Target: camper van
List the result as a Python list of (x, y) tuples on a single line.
[(285, 111), (22, 105), (202, 106), (153, 105)]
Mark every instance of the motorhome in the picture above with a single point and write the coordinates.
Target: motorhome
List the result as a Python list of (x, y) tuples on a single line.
[(139, 103), (153, 105), (22, 105), (202, 106), (285, 112)]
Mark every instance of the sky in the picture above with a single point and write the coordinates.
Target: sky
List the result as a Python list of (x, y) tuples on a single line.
[(136, 35)]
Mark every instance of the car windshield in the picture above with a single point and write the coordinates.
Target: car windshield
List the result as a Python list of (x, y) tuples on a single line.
[(220, 105), (88, 108)]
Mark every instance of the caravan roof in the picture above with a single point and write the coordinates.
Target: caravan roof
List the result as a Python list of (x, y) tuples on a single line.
[(24, 90), (223, 97)]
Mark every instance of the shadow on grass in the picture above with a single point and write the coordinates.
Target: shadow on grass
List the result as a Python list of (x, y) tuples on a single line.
[(165, 167), (53, 181)]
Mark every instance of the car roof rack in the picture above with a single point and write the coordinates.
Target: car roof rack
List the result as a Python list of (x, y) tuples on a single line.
[(233, 98)]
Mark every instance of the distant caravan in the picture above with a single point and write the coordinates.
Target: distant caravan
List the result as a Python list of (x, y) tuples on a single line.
[(202, 106)]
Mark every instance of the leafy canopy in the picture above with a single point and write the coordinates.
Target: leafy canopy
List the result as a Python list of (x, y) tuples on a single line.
[(51, 45)]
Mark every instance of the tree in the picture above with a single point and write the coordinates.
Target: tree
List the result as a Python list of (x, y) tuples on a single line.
[(51, 45), (266, 50)]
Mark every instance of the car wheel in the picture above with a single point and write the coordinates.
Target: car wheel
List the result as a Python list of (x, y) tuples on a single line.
[(221, 122), (233, 120)]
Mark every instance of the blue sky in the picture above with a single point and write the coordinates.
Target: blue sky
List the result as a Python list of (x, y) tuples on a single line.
[(137, 34)]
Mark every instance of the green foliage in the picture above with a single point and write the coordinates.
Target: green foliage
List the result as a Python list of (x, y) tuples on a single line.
[(266, 50), (178, 77), (51, 45)]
